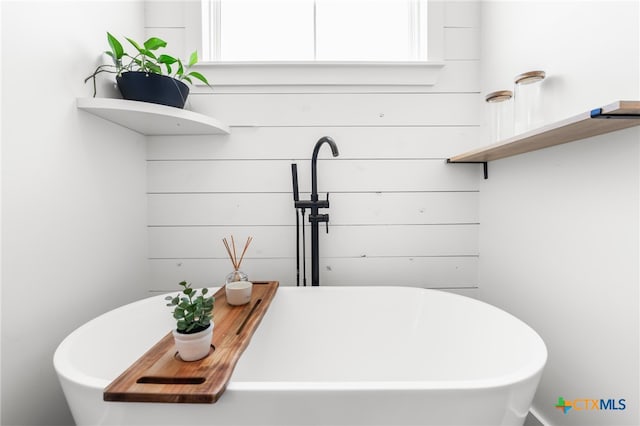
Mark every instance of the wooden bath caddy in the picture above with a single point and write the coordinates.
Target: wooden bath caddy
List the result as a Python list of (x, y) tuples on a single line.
[(161, 376)]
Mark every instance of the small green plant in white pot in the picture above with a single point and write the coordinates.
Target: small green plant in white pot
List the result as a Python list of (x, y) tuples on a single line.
[(193, 313)]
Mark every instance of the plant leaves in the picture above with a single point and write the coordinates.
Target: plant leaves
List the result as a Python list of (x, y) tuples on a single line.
[(136, 45), (154, 43), (193, 59), (180, 69), (150, 54), (153, 67), (166, 59), (193, 311), (116, 48), (116, 62), (199, 76)]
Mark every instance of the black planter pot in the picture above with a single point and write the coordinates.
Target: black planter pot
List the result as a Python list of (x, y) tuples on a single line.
[(154, 88)]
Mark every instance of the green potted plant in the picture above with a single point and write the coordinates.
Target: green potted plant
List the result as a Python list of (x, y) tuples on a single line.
[(148, 76), (193, 313)]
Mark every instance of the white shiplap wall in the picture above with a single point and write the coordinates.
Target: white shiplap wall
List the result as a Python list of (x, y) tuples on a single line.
[(399, 215)]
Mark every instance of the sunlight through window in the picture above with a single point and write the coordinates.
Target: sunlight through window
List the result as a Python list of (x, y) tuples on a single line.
[(314, 30)]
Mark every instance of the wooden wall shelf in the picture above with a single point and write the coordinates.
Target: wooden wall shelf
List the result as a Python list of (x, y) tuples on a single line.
[(616, 116), (152, 119)]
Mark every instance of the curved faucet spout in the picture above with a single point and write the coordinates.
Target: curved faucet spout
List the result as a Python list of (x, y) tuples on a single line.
[(314, 159)]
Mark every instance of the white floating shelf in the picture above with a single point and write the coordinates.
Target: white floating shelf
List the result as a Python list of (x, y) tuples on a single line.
[(152, 119)]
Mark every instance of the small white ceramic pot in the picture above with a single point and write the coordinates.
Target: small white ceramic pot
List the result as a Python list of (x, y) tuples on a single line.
[(238, 292), (195, 346)]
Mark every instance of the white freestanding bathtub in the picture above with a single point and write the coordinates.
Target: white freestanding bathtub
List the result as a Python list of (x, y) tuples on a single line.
[(328, 356)]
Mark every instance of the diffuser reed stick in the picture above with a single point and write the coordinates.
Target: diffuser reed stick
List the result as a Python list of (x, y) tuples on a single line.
[(231, 251), (246, 246)]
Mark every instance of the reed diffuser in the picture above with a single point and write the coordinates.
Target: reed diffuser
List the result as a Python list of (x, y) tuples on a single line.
[(237, 274)]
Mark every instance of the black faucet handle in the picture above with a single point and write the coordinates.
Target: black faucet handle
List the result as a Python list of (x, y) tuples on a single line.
[(326, 223)]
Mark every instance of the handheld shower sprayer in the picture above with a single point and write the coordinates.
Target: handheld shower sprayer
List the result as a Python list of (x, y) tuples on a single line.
[(296, 198)]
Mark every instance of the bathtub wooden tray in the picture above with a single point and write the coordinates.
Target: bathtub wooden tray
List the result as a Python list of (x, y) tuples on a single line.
[(161, 376)]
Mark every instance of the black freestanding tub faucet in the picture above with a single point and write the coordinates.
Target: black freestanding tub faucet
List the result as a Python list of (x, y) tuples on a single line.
[(314, 204)]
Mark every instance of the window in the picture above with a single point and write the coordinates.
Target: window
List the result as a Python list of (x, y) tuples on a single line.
[(314, 30)]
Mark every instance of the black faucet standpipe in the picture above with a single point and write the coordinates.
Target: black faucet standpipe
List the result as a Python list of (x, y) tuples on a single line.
[(314, 204)]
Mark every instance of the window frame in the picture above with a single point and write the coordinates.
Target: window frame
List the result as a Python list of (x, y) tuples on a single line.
[(315, 75)]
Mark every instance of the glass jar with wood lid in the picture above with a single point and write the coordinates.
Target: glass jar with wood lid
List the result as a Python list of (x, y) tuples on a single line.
[(528, 113), (500, 121)]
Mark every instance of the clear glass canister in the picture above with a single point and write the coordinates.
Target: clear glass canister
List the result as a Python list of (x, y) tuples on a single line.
[(500, 115), (528, 113)]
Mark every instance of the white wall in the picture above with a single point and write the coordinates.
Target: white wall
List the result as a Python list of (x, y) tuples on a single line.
[(399, 215), (73, 196), (559, 239)]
